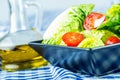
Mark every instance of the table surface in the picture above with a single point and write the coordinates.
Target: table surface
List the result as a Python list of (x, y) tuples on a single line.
[(50, 72)]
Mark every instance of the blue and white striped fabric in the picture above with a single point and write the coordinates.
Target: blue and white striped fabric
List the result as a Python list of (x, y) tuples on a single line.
[(51, 73)]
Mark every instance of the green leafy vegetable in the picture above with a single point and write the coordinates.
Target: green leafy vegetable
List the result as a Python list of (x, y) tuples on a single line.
[(72, 23), (99, 34), (112, 23), (115, 9), (91, 42)]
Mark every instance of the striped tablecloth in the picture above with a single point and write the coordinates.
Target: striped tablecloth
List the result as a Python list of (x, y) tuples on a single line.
[(52, 73)]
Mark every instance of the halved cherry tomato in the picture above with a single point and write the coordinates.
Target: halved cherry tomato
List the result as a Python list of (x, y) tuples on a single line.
[(72, 38), (93, 20), (112, 40)]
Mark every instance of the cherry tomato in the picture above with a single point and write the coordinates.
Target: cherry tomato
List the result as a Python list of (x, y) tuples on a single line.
[(93, 20), (72, 38), (112, 40)]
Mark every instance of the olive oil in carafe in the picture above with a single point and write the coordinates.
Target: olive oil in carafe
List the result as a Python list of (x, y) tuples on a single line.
[(20, 58)]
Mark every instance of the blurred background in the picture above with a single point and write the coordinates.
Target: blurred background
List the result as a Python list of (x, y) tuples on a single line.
[(50, 9)]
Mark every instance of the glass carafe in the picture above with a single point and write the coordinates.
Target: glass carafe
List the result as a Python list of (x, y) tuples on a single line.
[(25, 26)]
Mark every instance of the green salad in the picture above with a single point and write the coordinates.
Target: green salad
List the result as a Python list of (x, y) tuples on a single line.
[(80, 26)]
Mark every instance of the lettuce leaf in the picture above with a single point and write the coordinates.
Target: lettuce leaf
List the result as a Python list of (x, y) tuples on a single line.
[(73, 22), (112, 22), (115, 9), (95, 38), (91, 42), (99, 34)]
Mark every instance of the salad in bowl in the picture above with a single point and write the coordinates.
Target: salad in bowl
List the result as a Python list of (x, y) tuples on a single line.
[(83, 41), (80, 27)]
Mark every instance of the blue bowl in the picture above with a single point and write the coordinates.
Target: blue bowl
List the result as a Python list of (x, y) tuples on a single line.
[(96, 61)]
